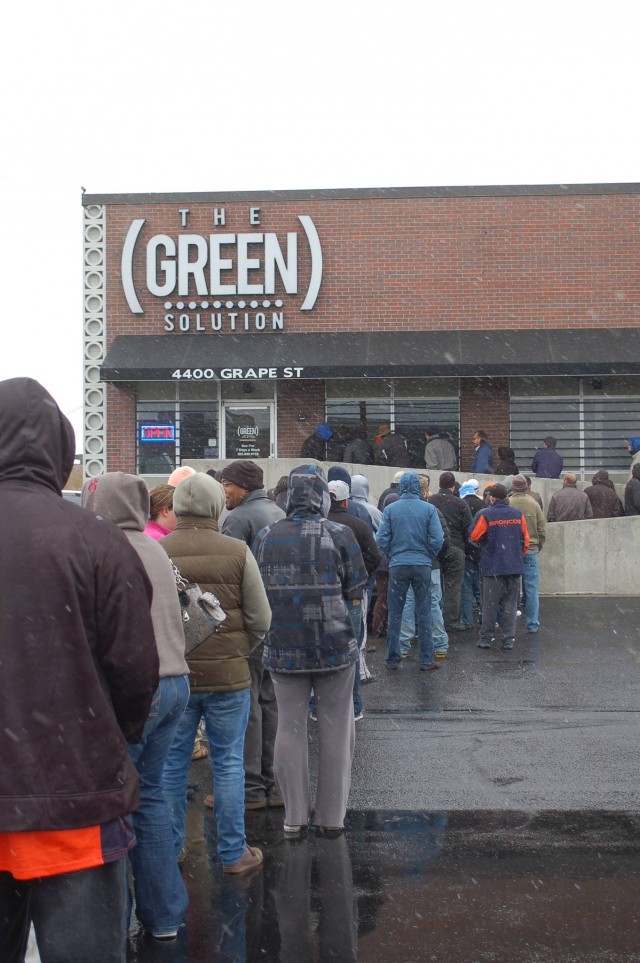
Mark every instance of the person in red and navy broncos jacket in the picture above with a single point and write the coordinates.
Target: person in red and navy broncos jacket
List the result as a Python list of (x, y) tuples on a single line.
[(502, 534)]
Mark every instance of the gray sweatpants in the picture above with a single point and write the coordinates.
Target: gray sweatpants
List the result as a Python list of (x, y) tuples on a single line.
[(336, 731)]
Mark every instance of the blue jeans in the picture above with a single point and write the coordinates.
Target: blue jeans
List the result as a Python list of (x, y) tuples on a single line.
[(225, 717), (408, 625), (470, 589), (530, 579), (161, 896), (77, 916), (401, 577), (438, 631)]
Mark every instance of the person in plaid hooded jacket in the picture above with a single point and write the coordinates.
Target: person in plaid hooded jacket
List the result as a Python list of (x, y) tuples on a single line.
[(312, 571)]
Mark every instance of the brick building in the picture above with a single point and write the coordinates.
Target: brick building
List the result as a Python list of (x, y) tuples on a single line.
[(229, 325)]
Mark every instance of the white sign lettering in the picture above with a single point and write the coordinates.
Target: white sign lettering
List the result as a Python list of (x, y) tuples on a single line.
[(220, 265)]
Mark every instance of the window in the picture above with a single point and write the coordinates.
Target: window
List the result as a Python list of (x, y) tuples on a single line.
[(590, 417), (156, 457), (407, 405), (191, 410)]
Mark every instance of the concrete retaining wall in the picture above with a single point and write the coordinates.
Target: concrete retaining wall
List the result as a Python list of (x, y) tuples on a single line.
[(594, 557)]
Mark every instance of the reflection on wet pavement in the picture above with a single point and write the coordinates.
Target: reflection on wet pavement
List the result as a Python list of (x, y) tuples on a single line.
[(399, 887)]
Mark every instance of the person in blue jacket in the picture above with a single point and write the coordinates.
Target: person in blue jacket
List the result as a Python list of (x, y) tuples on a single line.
[(483, 459), (410, 535), (547, 462)]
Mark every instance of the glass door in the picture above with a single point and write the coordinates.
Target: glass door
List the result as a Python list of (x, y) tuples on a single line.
[(248, 430)]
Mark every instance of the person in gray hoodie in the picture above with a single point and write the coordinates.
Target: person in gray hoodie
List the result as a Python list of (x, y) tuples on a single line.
[(360, 493), (161, 896)]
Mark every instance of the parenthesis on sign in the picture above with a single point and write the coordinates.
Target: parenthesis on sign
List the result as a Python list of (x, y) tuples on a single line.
[(127, 265), (316, 261)]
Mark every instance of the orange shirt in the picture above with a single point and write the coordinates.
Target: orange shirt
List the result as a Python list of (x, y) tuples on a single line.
[(30, 855)]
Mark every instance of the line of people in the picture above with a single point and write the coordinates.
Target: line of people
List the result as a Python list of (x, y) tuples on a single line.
[(101, 707)]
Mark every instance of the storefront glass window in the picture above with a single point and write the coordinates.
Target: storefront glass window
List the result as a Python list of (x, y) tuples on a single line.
[(413, 414), (156, 437), (168, 434), (591, 420), (198, 430), (406, 414)]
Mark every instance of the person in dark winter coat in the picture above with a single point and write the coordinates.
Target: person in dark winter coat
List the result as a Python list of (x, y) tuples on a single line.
[(507, 464), (279, 493), (315, 446), (547, 462), (458, 516), (569, 504), (470, 590), (313, 572), (354, 508), (79, 670), (633, 447), (335, 445), (250, 510), (602, 495), (391, 448), (503, 536), (482, 463), (358, 451), (392, 489), (372, 556), (632, 492)]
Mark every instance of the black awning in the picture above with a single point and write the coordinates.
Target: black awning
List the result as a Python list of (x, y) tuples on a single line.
[(402, 354)]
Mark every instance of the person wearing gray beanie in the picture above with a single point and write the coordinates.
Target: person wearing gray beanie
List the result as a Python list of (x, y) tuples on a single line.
[(245, 474), (249, 510)]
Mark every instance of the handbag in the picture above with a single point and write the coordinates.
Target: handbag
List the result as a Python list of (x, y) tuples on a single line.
[(202, 614)]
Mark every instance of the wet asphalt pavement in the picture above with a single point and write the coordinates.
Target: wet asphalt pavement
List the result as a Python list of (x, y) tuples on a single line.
[(494, 816)]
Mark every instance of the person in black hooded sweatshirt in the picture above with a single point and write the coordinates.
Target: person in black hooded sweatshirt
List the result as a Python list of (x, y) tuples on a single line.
[(79, 669)]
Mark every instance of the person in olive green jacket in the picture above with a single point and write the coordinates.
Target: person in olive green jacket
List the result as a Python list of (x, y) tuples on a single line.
[(219, 668)]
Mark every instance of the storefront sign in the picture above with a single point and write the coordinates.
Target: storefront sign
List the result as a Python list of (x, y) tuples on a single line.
[(217, 279), (235, 374), (156, 433)]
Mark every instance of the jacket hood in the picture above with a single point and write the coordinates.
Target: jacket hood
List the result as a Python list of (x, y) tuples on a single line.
[(308, 491), (199, 495), (602, 478), (360, 488), (324, 431), (37, 442), (336, 473), (122, 498), (409, 484), (635, 444)]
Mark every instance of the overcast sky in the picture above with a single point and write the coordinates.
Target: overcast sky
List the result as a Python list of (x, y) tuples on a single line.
[(141, 96)]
